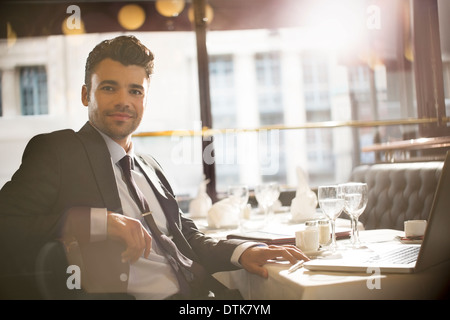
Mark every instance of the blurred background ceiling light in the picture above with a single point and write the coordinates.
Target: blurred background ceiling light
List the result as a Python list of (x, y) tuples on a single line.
[(69, 29), (209, 14), (131, 16), (169, 8)]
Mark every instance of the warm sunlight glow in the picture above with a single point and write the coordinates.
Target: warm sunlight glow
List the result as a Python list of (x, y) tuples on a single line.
[(336, 27)]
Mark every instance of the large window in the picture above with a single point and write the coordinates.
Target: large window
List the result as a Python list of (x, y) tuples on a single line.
[(346, 64), (310, 85)]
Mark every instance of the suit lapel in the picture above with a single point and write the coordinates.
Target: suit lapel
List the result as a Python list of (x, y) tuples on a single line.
[(168, 204), (165, 198), (100, 161), (152, 176)]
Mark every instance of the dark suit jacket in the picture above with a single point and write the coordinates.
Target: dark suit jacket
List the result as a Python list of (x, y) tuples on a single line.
[(63, 174)]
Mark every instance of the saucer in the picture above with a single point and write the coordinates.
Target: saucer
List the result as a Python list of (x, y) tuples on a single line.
[(313, 253), (412, 240)]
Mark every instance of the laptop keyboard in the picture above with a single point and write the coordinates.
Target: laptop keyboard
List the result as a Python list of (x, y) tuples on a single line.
[(401, 255)]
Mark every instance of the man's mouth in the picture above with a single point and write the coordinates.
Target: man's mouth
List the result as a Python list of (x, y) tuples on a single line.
[(120, 116)]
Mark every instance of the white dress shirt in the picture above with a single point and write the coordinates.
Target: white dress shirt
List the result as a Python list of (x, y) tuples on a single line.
[(152, 277)]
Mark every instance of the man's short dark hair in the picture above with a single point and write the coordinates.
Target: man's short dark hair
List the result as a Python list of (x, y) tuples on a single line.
[(127, 50)]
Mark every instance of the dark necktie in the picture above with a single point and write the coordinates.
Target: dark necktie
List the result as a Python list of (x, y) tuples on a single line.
[(185, 269)]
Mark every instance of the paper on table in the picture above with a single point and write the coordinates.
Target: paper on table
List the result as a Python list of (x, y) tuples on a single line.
[(264, 236), (276, 238)]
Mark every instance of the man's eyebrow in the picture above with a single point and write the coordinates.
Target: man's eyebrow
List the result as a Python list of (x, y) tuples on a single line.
[(115, 83), (136, 86), (112, 82)]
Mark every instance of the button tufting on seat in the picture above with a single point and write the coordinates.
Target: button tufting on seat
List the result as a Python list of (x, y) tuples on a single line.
[(397, 192)]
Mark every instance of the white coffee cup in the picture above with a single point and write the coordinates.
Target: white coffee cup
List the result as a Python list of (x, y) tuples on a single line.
[(415, 228), (307, 240)]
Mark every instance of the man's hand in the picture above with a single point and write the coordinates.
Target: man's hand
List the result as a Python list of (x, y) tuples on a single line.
[(254, 258), (131, 231)]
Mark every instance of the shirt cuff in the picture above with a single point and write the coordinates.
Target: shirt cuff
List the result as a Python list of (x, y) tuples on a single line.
[(241, 248), (98, 224)]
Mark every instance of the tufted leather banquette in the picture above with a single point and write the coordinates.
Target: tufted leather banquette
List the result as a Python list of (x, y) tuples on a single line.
[(397, 192)]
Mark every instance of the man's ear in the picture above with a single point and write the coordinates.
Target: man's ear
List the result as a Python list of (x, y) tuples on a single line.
[(84, 95)]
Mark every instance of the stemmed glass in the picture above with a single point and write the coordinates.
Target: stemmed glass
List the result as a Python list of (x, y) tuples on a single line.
[(266, 194), (238, 196), (356, 197), (332, 204)]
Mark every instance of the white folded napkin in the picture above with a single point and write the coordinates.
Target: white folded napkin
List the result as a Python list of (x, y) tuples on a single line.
[(303, 206), (199, 206), (223, 214)]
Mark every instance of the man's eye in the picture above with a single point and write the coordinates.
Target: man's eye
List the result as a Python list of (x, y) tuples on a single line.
[(136, 92), (107, 88)]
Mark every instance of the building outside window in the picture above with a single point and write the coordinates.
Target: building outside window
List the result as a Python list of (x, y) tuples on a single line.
[(223, 109), (316, 90), (33, 90), (268, 75), (221, 70), (271, 111)]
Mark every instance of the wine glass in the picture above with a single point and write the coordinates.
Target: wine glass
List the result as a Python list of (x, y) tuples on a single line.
[(266, 194), (238, 196), (355, 195), (332, 204)]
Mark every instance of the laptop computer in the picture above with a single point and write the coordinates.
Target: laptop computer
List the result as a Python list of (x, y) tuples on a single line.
[(434, 249)]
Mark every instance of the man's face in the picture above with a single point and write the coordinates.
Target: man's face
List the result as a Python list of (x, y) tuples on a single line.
[(117, 99)]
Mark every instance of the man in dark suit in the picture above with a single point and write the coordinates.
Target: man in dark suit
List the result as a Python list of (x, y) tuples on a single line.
[(70, 187)]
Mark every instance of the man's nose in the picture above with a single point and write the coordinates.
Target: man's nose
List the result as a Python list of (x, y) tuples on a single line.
[(123, 97)]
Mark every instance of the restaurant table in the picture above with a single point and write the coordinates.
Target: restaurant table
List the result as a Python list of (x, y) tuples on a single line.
[(281, 223), (312, 285)]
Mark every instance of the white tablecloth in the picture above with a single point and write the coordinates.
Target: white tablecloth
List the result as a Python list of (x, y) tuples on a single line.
[(305, 284)]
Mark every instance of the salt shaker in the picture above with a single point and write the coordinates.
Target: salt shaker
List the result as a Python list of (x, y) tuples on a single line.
[(308, 240), (311, 224)]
